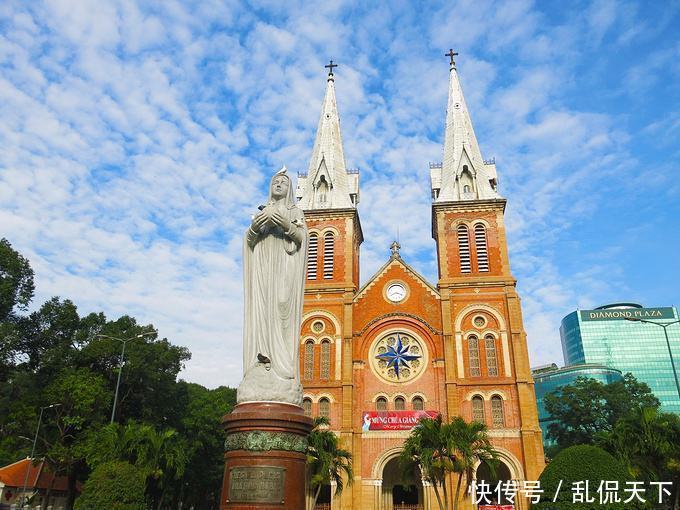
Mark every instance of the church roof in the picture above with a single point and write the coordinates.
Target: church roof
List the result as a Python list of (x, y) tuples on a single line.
[(463, 173), (328, 183)]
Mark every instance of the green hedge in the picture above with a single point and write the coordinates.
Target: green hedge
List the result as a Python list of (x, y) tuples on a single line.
[(578, 463), (113, 486)]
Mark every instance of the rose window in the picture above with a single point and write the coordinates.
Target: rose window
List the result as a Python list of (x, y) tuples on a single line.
[(398, 357)]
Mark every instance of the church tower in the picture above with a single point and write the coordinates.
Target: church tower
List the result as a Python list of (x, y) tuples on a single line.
[(328, 194), (487, 363)]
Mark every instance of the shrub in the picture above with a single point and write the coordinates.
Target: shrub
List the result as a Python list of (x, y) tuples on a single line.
[(582, 463), (115, 486)]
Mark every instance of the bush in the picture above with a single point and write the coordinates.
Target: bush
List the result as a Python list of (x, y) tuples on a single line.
[(582, 463), (113, 486)]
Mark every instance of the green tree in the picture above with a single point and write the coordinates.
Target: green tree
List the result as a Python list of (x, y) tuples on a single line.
[(438, 449), (580, 464), (16, 280), (114, 486), (162, 455), (648, 444), (204, 436), (327, 461), (84, 400), (582, 409)]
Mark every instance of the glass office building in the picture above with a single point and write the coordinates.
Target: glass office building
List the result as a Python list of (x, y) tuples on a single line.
[(549, 378), (607, 336)]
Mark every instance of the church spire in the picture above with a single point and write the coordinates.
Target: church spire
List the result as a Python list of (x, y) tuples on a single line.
[(328, 184), (463, 174)]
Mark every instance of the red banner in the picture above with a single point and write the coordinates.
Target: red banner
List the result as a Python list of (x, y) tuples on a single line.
[(393, 420)]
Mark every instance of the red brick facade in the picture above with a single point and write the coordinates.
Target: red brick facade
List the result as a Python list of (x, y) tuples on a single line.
[(342, 323)]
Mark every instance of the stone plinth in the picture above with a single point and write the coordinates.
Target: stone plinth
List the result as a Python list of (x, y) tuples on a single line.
[(264, 459)]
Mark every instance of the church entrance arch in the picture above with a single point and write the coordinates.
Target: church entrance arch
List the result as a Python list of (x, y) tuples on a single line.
[(492, 477), (399, 491)]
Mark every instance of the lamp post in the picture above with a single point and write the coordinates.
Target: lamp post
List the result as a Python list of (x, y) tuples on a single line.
[(122, 359), (35, 440), (668, 343)]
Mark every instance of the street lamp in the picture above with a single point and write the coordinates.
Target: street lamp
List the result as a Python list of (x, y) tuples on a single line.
[(35, 440), (122, 359), (668, 343)]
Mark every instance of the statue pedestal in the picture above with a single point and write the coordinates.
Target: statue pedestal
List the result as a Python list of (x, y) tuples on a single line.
[(264, 459)]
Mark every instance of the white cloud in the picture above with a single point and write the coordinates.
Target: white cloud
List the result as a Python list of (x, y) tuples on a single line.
[(137, 139)]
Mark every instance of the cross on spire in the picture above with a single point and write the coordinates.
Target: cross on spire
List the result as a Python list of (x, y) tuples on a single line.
[(451, 54), (330, 68)]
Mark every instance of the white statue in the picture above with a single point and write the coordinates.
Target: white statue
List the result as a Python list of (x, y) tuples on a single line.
[(274, 254)]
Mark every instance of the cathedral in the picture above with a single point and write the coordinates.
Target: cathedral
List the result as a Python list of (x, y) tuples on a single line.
[(375, 358)]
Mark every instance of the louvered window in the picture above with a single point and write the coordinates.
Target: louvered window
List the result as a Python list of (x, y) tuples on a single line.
[(307, 406), (399, 404), (312, 254), (309, 360), (497, 411), (325, 408), (418, 404), (491, 360), (473, 356), (325, 359), (328, 245), (482, 252), (478, 409), (381, 404), (464, 249)]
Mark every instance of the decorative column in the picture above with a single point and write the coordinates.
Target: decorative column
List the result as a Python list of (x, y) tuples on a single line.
[(265, 457)]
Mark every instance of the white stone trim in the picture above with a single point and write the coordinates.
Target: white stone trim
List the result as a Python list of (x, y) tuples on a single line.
[(506, 354)]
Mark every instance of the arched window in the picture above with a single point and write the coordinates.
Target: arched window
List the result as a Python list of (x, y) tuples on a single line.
[(307, 406), (464, 249), (478, 409), (328, 245), (473, 356), (381, 404), (308, 370), (312, 253), (418, 404), (326, 359), (399, 404), (497, 411), (325, 408), (466, 188), (491, 360), (481, 246)]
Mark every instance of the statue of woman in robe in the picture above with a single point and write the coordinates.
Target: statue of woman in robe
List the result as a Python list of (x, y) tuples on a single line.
[(274, 254)]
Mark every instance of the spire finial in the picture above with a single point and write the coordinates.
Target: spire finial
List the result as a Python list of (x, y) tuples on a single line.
[(330, 68), (395, 247), (451, 54)]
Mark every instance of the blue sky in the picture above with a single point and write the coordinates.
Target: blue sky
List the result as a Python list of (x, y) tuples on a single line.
[(136, 138)]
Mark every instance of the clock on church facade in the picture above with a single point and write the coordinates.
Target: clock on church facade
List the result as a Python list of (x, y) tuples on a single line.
[(377, 356)]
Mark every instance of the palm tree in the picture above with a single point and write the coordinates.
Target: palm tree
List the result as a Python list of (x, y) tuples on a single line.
[(162, 455), (648, 443), (326, 461), (438, 449)]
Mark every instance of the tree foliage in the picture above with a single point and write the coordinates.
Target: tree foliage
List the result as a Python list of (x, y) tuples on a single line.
[(113, 485), (648, 444), (580, 464), (582, 409), (16, 280)]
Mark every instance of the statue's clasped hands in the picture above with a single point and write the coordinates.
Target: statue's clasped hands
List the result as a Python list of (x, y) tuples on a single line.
[(270, 216)]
